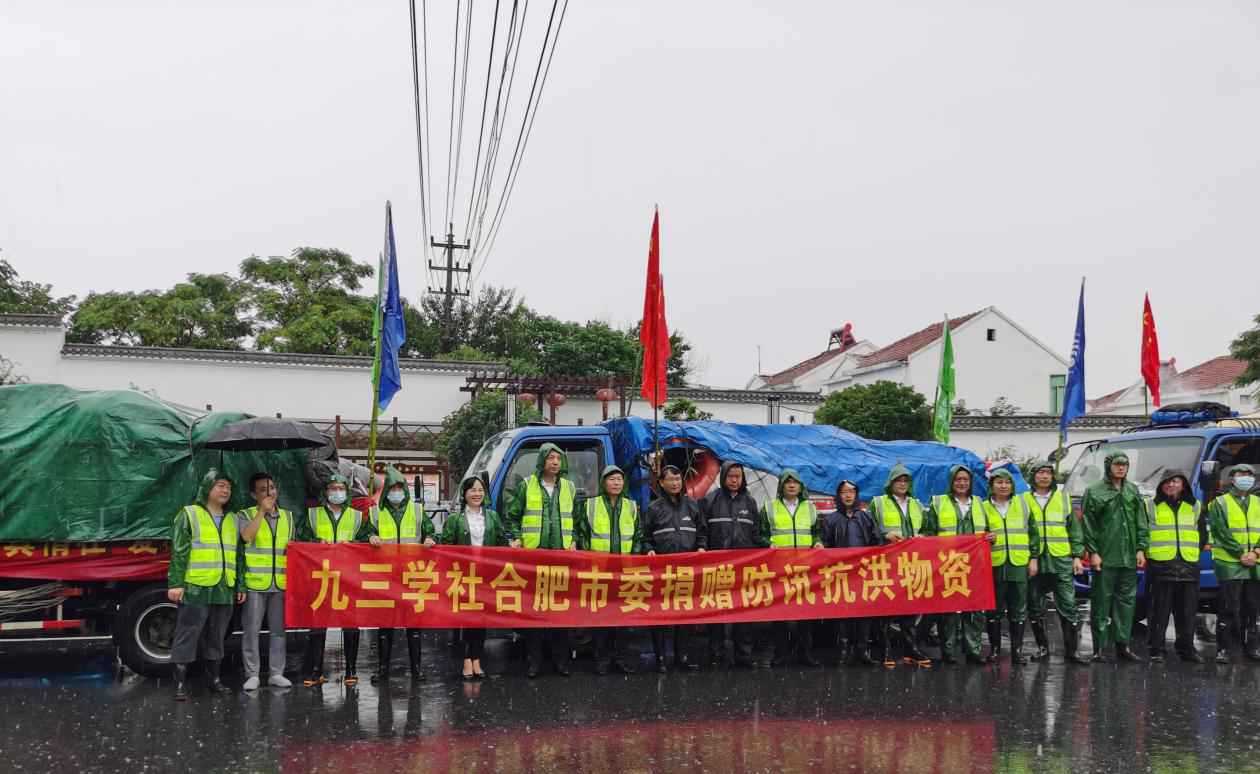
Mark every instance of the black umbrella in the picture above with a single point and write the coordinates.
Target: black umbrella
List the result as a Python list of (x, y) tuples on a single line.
[(266, 434)]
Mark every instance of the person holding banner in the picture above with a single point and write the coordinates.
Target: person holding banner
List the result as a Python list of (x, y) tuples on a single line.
[(473, 525), (955, 513), (851, 526), (674, 524), (1234, 519), (1014, 533), (201, 579), (1116, 539), (731, 520), (399, 520), (541, 513), (1058, 555), (902, 518), (790, 520), (265, 532), (609, 523), (333, 521), (1172, 569)]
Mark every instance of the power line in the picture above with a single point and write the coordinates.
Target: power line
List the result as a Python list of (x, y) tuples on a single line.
[(463, 96), (514, 173), (421, 147), (485, 98), (450, 134)]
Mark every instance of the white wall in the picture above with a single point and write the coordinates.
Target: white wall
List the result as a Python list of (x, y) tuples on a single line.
[(1013, 366), (1026, 443), (589, 411), (36, 351), (1238, 398)]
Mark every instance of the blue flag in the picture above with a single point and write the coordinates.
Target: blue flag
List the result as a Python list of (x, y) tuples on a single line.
[(393, 331), (1074, 394)]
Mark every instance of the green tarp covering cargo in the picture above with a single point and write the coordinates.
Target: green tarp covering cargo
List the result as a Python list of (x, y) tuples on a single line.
[(95, 466)]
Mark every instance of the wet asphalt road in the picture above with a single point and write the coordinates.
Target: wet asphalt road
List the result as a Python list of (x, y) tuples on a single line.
[(74, 711)]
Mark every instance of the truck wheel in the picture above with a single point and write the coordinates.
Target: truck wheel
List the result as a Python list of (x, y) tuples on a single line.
[(145, 630)]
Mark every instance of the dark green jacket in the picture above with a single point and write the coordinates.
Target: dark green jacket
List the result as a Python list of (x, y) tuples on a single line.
[(763, 517), (455, 531), (551, 535), (1115, 525), (582, 523), (1056, 565), (966, 523), (306, 533), (392, 477), (181, 546)]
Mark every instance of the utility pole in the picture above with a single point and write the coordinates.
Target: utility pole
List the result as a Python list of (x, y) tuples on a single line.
[(449, 292)]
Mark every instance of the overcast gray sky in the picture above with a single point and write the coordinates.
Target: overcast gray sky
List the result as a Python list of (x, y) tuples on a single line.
[(815, 163)]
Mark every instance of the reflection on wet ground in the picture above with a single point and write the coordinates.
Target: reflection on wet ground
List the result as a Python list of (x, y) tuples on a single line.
[(71, 711)]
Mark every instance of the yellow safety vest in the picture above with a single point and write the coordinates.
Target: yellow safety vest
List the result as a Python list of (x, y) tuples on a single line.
[(330, 530), (947, 513), (1052, 522), (1244, 526), (403, 531), (1173, 534), (212, 557), (1011, 545), (532, 519), (890, 514), (601, 525), (792, 530), (265, 555)]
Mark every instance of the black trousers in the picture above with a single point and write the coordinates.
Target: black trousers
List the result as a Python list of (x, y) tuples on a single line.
[(793, 638), (1181, 599), (743, 635), (557, 642), (474, 642), (204, 625), (682, 641), (1237, 605), (858, 633), (611, 645)]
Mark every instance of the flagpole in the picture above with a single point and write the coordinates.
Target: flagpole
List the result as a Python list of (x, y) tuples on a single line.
[(939, 366), (378, 330)]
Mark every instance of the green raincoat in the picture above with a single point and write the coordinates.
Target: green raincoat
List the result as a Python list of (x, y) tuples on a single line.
[(307, 534), (551, 536), (1011, 572), (455, 531), (876, 505), (392, 477), (583, 513), (1223, 538), (764, 521), (966, 523), (181, 546), (1047, 564), (1115, 520)]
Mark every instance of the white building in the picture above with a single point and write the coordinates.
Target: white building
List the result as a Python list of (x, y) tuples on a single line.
[(994, 357), (1212, 381)]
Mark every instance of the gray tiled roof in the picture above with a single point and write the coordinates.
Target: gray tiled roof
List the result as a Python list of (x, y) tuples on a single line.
[(265, 358)]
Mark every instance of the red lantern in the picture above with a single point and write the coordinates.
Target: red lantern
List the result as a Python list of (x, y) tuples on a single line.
[(527, 398), (606, 394), (556, 400)]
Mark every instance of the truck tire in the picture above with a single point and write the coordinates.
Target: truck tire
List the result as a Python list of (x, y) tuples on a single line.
[(144, 631)]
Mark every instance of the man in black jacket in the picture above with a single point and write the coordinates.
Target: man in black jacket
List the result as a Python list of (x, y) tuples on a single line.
[(851, 526), (730, 518), (673, 524)]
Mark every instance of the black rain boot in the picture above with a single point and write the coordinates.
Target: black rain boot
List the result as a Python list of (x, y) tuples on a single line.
[(314, 661), (384, 651), (1017, 644), (1043, 642), (350, 639), (215, 683), (413, 654), (1071, 641), (658, 649), (180, 673), (995, 641)]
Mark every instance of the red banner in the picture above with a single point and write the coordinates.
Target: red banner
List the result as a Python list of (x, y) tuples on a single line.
[(134, 561), (409, 586)]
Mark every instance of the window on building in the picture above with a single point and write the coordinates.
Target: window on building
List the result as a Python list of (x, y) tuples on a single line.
[(1058, 386), (991, 334)]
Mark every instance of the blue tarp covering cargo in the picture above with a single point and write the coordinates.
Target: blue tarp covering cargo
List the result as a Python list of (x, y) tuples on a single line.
[(824, 455)]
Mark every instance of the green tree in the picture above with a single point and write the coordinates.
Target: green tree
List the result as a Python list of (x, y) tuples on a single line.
[(18, 296), (883, 411), (468, 427), (1247, 349), (209, 311), (309, 303), (684, 410)]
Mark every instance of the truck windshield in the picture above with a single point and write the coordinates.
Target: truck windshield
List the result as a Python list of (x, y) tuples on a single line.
[(491, 454), (1149, 459)]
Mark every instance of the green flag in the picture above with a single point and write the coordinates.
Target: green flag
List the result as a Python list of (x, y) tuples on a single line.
[(943, 412)]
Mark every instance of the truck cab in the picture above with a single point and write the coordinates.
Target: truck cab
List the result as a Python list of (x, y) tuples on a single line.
[(508, 458), (1204, 450)]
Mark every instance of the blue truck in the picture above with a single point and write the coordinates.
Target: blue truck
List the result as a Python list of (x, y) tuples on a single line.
[(1204, 449)]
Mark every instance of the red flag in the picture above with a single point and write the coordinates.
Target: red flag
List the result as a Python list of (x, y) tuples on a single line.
[(1150, 352), (653, 332)]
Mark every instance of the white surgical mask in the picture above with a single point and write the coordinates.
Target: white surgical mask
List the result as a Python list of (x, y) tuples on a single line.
[(1244, 483), (396, 497), (336, 498)]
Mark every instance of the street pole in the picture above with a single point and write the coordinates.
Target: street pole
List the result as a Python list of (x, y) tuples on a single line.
[(449, 293)]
